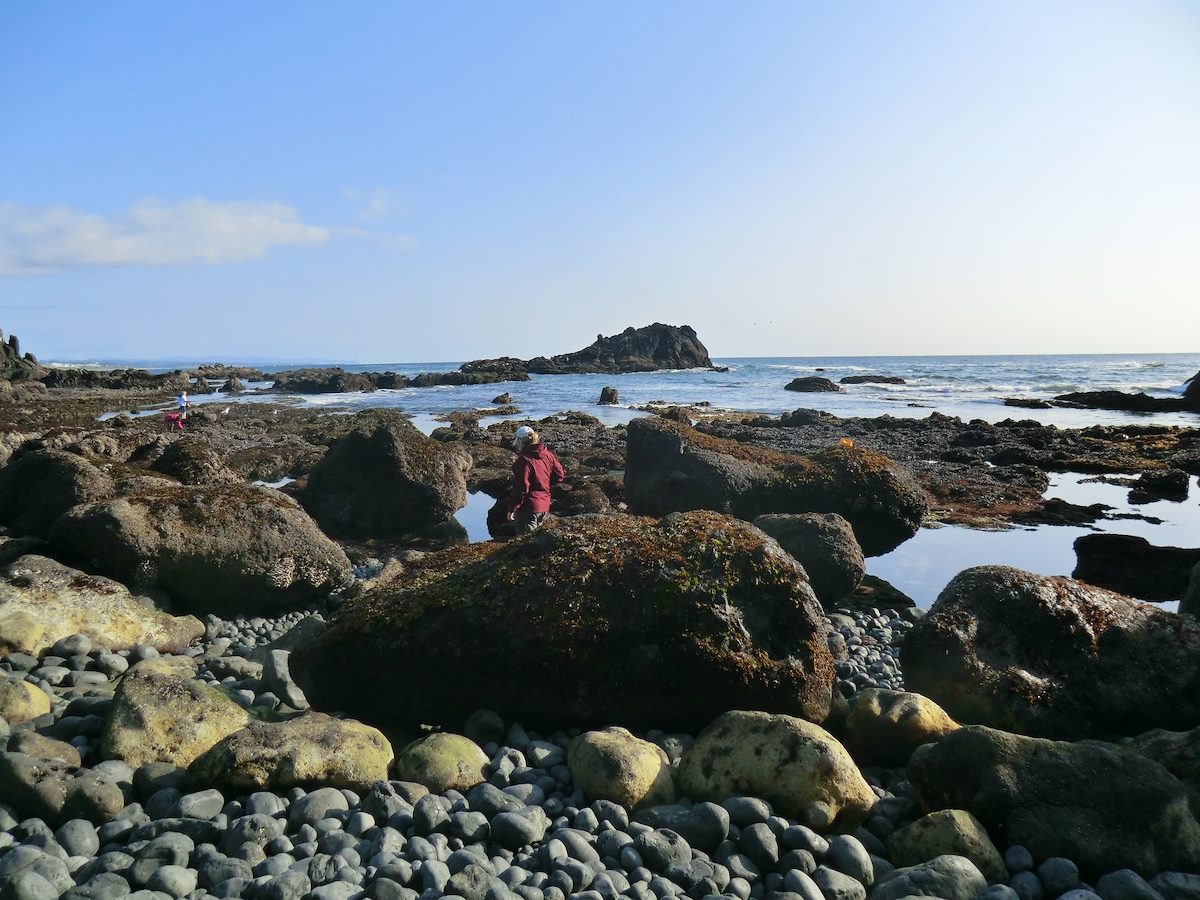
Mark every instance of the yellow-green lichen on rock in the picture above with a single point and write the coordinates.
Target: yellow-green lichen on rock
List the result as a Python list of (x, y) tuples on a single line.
[(42, 601), (312, 749), (161, 714), (885, 727), (21, 701), (947, 831), (441, 762), (797, 766), (613, 764)]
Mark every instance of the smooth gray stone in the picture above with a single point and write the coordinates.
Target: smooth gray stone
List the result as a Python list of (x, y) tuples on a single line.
[(199, 804), (1018, 859), (759, 843), (949, 877), (1177, 885), (430, 815), (801, 884), (1058, 875), (661, 848), (265, 803), (199, 830), (277, 679), (514, 830), (744, 811), (177, 881), (1027, 885), (1079, 894), (1126, 884), (434, 875), (387, 889), (29, 885), (105, 886), (335, 890), (78, 837), (849, 856), (837, 885), (999, 892), (801, 837), (315, 806), (216, 871), (288, 886)]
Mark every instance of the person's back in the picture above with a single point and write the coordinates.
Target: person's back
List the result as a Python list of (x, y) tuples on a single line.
[(535, 471)]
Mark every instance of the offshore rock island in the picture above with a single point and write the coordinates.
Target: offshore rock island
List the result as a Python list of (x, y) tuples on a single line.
[(259, 658)]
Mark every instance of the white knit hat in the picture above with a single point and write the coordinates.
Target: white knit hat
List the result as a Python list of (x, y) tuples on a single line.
[(522, 435)]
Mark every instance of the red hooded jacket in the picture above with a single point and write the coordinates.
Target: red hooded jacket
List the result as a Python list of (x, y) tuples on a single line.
[(535, 470)]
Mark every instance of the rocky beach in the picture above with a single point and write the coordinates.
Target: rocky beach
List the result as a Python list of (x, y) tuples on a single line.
[(260, 658)]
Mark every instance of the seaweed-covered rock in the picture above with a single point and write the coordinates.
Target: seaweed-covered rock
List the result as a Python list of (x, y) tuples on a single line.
[(613, 764), (825, 545), (1089, 802), (333, 380), (1054, 657), (797, 766), (212, 548), (36, 488), (192, 460), (673, 467), (590, 619), (160, 714), (1132, 565), (311, 749), (42, 601), (387, 482)]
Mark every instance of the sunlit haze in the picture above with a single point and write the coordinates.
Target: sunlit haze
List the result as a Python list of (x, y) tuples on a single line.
[(442, 181)]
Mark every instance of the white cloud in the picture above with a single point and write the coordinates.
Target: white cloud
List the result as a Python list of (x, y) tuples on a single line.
[(150, 233), (373, 204)]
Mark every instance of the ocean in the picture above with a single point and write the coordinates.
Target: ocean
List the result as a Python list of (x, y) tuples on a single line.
[(970, 387)]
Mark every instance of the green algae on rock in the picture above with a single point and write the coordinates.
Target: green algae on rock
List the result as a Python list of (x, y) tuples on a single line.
[(595, 620)]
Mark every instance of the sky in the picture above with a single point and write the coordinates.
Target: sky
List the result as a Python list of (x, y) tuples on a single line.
[(402, 181)]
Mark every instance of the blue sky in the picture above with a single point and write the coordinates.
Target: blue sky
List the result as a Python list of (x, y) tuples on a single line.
[(407, 182)]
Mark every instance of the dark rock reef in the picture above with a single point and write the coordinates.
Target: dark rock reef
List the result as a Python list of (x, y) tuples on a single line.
[(593, 619), (672, 467), (813, 384), (646, 349), (1132, 565)]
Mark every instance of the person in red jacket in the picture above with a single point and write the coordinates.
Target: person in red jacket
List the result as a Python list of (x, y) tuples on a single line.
[(535, 471)]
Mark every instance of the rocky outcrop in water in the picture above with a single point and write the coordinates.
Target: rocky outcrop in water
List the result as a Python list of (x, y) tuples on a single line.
[(14, 366), (813, 384), (1054, 658), (672, 467), (387, 482), (1132, 565), (592, 619), (645, 349)]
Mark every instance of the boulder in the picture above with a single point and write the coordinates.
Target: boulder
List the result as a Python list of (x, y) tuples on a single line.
[(613, 764), (503, 399), (646, 349), (1191, 391), (160, 714), (55, 791), (21, 701), (232, 385), (1189, 604), (334, 380), (608, 397), (947, 832), (442, 762), (192, 460), (387, 482), (885, 727), (312, 749), (1053, 657), (796, 766), (215, 548), (825, 545), (871, 379), (813, 384), (593, 618), (672, 467), (36, 488), (1133, 566), (1088, 802), (1177, 751), (948, 877), (1163, 484), (42, 601)]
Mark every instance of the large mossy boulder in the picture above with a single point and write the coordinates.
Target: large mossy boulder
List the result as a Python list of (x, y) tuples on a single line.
[(797, 766), (42, 601), (36, 488), (1053, 657), (387, 482), (613, 764), (591, 619), (443, 762), (953, 832), (1090, 802), (192, 460), (216, 548), (825, 545), (160, 713), (673, 467), (312, 749)]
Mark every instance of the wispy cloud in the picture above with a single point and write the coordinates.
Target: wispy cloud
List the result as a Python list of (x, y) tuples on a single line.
[(373, 204), (151, 233)]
